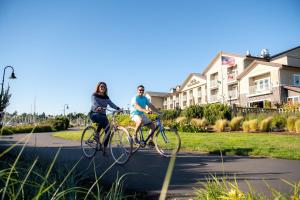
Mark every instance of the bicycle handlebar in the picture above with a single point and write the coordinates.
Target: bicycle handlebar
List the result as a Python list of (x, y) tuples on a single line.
[(114, 111)]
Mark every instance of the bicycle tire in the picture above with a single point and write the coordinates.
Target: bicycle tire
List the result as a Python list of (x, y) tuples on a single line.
[(135, 146), (120, 145), (89, 145), (169, 147)]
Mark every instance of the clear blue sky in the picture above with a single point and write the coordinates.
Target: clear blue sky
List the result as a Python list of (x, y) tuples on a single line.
[(61, 49)]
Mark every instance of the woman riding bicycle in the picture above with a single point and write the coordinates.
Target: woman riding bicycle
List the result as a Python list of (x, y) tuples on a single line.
[(100, 100)]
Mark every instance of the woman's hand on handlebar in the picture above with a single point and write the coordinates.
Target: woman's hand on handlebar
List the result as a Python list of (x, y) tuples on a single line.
[(99, 109)]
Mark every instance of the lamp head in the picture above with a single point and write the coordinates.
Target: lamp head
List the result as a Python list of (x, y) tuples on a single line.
[(13, 76)]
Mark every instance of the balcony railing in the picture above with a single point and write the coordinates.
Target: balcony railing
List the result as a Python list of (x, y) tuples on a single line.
[(213, 98), (213, 83), (231, 76), (257, 90), (184, 98)]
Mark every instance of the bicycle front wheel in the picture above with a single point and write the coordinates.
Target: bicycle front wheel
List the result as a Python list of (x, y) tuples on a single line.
[(120, 145), (88, 144), (167, 143)]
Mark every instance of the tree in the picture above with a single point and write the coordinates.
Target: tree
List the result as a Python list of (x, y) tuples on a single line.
[(4, 102)]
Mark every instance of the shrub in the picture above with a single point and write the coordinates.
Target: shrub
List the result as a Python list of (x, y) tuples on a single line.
[(267, 104), (9, 130), (279, 121), (213, 112), (194, 111), (291, 123), (235, 123), (124, 120), (265, 125), (253, 125), (188, 128), (297, 126), (221, 125), (170, 114), (246, 126)]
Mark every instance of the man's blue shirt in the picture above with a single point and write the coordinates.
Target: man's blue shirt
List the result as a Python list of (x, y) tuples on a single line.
[(141, 101)]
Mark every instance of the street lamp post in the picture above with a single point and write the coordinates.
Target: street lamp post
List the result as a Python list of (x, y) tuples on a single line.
[(12, 76), (66, 106)]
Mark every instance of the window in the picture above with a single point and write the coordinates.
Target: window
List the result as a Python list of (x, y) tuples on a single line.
[(297, 79), (262, 85), (199, 100), (294, 99), (199, 91)]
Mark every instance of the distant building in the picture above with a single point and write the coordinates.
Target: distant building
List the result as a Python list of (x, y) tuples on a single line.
[(244, 80)]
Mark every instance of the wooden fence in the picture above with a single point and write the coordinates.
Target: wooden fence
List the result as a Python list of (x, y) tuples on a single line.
[(246, 110)]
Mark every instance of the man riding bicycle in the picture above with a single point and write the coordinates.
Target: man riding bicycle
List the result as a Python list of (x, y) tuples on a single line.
[(139, 106)]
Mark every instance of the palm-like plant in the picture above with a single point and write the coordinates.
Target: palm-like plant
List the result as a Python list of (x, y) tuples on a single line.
[(4, 102)]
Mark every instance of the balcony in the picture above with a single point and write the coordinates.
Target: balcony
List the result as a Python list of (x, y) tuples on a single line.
[(232, 94), (213, 83), (184, 98), (231, 77), (260, 89), (213, 98)]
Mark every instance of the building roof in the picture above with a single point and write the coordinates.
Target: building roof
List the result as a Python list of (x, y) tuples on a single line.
[(157, 94), (218, 57), (254, 64), (292, 88), (284, 52), (190, 75)]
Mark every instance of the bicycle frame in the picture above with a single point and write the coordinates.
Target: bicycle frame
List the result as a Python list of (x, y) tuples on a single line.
[(111, 125), (159, 126)]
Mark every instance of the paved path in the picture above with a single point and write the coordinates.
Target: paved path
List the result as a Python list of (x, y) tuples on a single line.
[(146, 169)]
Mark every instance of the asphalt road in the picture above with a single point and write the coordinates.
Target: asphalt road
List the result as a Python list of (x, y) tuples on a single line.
[(146, 169)]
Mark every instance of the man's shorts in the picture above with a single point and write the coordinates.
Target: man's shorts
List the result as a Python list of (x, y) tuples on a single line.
[(145, 120)]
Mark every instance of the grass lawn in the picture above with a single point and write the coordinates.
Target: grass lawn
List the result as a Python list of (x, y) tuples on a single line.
[(248, 144)]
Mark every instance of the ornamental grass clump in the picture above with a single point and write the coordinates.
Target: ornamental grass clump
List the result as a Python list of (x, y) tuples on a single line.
[(220, 125), (266, 124), (224, 188), (181, 120), (291, 123), (236, 123), (253, 125), (246, 126), (199, 123), (297, 126)]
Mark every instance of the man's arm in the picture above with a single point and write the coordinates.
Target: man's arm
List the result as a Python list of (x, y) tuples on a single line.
[(139, 108), (152, 107)]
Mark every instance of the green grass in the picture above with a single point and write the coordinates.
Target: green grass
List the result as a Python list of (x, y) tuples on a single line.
[(247, 144)]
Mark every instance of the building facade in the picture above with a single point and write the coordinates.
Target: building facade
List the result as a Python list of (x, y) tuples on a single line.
[(248, 81)]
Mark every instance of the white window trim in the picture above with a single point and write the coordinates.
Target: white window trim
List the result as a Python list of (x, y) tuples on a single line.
[(264, 85), (294, 79)]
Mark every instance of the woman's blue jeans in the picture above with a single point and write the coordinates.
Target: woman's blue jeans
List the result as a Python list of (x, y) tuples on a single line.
[(103, 123)]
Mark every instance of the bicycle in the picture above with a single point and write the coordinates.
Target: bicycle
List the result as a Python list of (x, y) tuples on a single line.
[(167, 141), (120, 142)]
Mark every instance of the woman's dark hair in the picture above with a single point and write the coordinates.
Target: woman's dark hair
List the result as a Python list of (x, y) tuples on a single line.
[(98, 88)]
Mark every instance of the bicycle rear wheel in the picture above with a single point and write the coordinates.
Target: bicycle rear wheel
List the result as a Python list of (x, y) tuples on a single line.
[(120, 145), (89, 146), (167, 143), (135, 144)]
